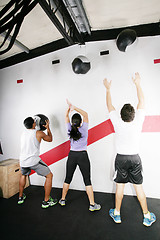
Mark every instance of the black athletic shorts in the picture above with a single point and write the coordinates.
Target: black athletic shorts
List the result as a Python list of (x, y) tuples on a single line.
[(128, 169)]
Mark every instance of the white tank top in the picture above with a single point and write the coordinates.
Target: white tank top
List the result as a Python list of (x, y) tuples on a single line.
[(30, 148)]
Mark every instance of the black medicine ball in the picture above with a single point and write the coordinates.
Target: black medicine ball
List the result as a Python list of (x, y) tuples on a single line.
[(125, 38), (81, 65)]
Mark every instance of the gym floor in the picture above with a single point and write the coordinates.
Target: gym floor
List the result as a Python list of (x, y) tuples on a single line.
[(74, 221)]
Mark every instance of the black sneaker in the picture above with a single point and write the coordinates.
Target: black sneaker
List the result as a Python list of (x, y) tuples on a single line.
[(51, 202), (21, 199)]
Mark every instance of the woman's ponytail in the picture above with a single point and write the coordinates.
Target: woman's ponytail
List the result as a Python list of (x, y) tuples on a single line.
[(76, 121)]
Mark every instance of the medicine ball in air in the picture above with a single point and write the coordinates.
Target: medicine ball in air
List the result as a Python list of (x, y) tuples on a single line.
[(125, 38), (81, 65), (40, 121)]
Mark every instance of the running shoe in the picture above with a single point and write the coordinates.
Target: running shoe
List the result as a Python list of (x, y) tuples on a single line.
[(148, 221), (62, 202), (21, 199), (116, 218), (51, 202), (94, 207)]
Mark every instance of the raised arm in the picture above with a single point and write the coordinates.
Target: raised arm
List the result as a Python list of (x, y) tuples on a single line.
[(108, 95), (46, 137), (82, 112), (67, 115), (140, 95)]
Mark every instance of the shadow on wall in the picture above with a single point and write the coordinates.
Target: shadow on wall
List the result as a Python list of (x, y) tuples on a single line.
[(57, 128), (53, 120)]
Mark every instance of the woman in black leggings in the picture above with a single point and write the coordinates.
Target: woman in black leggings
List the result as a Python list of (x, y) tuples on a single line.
[(78, 133)]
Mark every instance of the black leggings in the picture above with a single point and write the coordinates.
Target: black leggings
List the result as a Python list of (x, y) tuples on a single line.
[(81, 159)]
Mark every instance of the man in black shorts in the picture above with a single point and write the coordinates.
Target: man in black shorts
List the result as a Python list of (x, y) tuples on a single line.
[(128, 166), (30, 160)]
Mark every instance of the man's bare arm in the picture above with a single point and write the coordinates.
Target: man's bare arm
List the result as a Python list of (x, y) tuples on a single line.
[(46, 137), (108, 95), (140, 95)]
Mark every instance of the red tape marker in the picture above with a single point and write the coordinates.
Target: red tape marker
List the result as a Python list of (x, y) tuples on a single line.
[(151, 124), (20, 81), (156, 61)]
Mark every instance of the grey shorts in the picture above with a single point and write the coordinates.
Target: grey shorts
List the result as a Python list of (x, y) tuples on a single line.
[(128, 169), (40, 168)]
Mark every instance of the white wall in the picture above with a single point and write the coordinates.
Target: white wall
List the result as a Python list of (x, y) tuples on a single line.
[(45, 89)]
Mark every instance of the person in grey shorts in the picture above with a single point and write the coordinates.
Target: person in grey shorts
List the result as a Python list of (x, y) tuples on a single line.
[(128, 166), (30, 160)]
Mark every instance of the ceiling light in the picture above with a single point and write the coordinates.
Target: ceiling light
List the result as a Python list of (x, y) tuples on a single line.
[(77, 12)]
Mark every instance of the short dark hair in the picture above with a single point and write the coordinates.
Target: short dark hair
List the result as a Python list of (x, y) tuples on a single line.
[(127, 113), (28, 122)]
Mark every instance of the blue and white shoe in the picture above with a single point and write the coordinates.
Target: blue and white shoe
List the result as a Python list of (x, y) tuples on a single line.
[(148, 221), (116, 218)]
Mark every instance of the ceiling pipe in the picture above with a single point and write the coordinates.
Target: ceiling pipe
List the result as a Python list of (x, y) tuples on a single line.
[(16, 42)]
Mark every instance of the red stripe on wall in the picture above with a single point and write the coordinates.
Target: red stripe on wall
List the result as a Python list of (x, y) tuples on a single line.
[(56, 153), (151, 124), (94, 134), (100, 131), (156, 61)]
